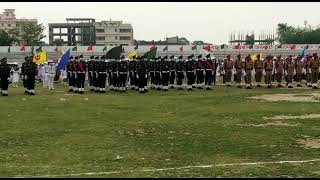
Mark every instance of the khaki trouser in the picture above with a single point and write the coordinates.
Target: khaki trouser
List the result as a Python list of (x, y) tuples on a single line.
[(298, 77), (238, 76), (228, 75), (258, 75), (279, 77), (248, 76), (268, 77), (314, 76)]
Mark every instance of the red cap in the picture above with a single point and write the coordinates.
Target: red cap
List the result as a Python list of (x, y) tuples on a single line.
[(228, 55)]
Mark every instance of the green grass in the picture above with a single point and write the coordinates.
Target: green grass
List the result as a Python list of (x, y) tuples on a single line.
[(42, 135)]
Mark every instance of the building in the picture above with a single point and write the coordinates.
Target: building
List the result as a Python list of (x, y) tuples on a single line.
[(75, 32), (113, 33), (251, 39), (8, 20), (168, 41)]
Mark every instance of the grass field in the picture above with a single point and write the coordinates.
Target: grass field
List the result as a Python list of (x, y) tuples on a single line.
[(158, 134)]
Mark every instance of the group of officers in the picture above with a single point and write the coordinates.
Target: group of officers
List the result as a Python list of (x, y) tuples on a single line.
[(273, 68), (140, 73), (161, 73), (200, 72)]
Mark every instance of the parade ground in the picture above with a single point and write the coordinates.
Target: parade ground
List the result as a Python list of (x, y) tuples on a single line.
[(225, 132)]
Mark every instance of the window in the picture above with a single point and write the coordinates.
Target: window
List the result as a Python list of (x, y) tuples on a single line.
[(124, 44), (115, 30), (100, 30), (125, 30), (111, 44), (101, 38), (125, 38), (2, 25), (116, 37), (116, 44), (9, 25)]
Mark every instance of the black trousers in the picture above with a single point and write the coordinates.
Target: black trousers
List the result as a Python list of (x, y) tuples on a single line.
[(152, 77), (95, 82), (74, 80), (115, 80), (208, 78), (80, 80), (180, 77), (157, 78), (172, 77), (102, 80), (133, 80), (200, 77), (4, 83), (122, 80), (90, 77), (190, 78), (31, 81), (165, 79), (142, 80), (70, 79)]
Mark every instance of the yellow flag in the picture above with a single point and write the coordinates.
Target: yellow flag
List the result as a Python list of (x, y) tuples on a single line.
[(134, 53), (254, 56), (40, 57)]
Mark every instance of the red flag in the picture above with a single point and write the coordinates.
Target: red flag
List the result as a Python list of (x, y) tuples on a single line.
[(152, 47), (89, 48), (56, 49), (181, 49), (266, 47), (23, 49), (207, 48), (293, 47), (237, 46)]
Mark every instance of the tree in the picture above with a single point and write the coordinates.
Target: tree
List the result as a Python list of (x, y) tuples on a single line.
[(6, 39), (30, 33), (291, 35), (57, 42)]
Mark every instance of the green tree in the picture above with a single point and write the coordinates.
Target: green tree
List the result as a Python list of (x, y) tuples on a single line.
[(30, 33), (6, 39), (291, 35)]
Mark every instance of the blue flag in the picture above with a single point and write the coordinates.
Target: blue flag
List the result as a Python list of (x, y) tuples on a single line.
[(302, 54), (64, 60)]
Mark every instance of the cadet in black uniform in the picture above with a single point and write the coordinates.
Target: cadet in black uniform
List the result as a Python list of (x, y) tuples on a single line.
[(133, 75), (23, 74), (151, 69), (81, 74), (180, 68), (209, 67), (199, 72), (158, 73), (31, 72), (69, 69), (109, 71), (194, 76), (90, 73), (172, 71), (123, 68), (141, 74), (102, 77), (4, 76), (115, 74), (95, 77), (165, 72), (190, 71), (75, 74)]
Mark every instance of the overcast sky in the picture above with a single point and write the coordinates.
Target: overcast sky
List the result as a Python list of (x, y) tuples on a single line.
[(209, 21)]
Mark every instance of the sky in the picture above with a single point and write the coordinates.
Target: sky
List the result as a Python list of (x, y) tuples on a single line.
[(208, 21)]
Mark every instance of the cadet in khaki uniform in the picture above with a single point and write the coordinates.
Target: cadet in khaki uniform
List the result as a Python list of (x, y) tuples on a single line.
[(268, 68), (314, 64), (279, 70), (248, 66), (238, 64), (289, 66), (228, 66), (308, 70), (258, 66), (298, 67)]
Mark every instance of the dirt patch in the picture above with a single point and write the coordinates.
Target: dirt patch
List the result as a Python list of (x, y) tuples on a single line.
[(310, 143), (307, 116), (312, 97), (276, 123)]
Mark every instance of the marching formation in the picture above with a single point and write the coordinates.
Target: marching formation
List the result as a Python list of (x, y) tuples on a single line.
[(162, 73)]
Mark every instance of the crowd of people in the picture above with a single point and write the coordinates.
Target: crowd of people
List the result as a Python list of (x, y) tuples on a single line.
[(162, 73)]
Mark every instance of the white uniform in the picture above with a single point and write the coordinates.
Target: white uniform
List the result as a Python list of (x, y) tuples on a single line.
[(46, 76), (52, 73), (15, 76)]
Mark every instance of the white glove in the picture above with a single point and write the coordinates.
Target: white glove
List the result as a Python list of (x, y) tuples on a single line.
[(137, 76), (146, 76), (309, 70)]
